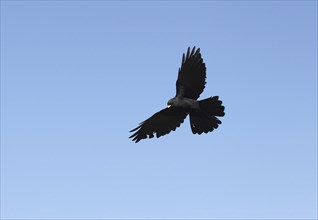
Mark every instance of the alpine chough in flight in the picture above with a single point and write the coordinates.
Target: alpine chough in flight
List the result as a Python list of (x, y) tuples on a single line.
[(190, 84)]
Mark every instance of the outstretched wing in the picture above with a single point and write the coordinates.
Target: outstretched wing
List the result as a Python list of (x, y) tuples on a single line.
[(160, 124), (192, 75)]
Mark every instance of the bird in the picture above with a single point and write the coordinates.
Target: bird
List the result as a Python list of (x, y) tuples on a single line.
[(190, 84)]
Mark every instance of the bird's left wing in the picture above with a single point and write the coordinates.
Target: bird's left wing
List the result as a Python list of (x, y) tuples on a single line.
[(161, 123), (192, 74)]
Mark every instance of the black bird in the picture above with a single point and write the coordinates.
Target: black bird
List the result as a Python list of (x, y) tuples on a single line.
[(190, 84)]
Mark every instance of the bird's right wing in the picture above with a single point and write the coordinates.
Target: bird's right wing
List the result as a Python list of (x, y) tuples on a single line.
[(161, 123)]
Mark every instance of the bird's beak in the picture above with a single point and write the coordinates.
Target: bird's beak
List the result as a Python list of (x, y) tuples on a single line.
[(169, 106)]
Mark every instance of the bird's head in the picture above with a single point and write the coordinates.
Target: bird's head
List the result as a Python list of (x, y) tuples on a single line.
[(170, 103)]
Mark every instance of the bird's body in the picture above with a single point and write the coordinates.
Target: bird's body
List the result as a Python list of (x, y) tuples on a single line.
[(190, 84), (187, 104)]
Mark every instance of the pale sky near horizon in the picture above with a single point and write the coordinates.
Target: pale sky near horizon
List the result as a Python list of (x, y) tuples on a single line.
[(76, 76)]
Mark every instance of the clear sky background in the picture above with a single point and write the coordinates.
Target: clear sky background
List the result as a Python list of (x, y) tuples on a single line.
[(76, 76)]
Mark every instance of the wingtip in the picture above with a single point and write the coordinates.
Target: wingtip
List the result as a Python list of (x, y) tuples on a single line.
[(193, 51), (188, 53), (135, 129), (136, 141)]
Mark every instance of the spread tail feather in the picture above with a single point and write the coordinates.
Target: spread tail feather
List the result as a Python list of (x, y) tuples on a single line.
[(212, 106), (205, 120)]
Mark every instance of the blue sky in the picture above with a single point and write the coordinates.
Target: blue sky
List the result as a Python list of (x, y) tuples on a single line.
[(76, 76)]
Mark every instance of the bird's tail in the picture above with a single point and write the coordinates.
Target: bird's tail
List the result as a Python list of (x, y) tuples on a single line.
[(205, 120)]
